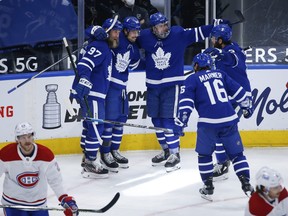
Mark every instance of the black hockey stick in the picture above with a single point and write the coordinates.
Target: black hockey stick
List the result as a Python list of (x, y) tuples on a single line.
[(167, 130), (240, 17), (32, 208), (76, 72)]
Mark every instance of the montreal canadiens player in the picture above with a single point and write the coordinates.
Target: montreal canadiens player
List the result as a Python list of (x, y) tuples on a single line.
[(28, 167), (270, 197)]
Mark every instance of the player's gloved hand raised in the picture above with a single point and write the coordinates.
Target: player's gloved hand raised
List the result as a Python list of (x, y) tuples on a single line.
[(97, 32), (83, 87), (221, 21), (215, 53), (69, 204)]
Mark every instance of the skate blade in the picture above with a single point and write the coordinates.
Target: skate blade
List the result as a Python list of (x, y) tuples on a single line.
[(123, 166), (207, 197), (158, 164), (91, 175), (171, 169), (220, 178)]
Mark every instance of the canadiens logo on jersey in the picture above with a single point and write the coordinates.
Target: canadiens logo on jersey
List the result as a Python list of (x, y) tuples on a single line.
[(161, 59), (28, 179), (122, 61)]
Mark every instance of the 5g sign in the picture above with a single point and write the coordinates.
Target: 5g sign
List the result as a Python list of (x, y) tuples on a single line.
[(21, 64), (30, 64)]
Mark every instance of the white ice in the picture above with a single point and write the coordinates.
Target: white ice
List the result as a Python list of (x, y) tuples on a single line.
[(147, 190)]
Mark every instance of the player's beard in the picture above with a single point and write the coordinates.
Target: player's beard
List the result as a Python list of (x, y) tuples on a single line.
[(113, 43), (217, 45)]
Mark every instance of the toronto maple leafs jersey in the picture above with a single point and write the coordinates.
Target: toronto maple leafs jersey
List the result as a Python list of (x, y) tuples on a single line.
[(96, 66), (235, 67), (125, 56), (26, 178), (208, 92), (165, 57)]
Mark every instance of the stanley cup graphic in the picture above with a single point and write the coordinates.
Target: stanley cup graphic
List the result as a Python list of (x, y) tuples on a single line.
[(51, 109)]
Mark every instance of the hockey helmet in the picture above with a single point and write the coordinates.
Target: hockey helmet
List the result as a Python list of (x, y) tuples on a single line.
[(203, 60), (157, 18), (221, 31), (23, 129), (131, 23), (108, 23), (268, 178)]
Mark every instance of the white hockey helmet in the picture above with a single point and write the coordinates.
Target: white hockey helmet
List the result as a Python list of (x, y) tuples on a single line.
[(23, 128), (129, 3), (268, 178)]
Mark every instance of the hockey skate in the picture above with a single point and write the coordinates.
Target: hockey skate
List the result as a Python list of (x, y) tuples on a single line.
[(121, 160), (93, 170), (173, 163), (109, 162), (207, 190), (162, 157), (246, 186), (220, 171)]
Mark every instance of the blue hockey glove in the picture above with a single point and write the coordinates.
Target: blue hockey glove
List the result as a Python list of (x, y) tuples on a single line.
[(215, 53), (83, 87), (97, 32), (247, 107), (69, 204), (221, 21), (178, 127)]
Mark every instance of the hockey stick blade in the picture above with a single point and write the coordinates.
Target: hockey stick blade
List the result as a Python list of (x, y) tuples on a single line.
[(113, 23), (239, 16), (102, 210)]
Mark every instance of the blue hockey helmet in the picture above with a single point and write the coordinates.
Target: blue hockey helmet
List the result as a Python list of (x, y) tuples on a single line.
[(221, 31), (203, 60), (157, 18), (131, 23), (108, 22)]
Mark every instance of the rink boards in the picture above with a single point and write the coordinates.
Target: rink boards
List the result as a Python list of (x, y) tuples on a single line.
[(44, 101)]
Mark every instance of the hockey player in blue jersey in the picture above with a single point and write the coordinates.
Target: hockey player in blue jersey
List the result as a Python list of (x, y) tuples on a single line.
[(230, 58), (125, 56), (207, 91), (91, 86), (164, 55)]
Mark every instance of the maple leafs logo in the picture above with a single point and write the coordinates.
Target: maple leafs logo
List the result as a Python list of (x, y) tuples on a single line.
[(161, 59), (109, 71), (122, 61)]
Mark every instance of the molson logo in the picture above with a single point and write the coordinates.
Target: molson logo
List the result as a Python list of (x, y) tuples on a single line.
[(268, 105), (28, 179)]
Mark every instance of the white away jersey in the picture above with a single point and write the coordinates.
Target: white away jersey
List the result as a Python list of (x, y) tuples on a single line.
[(26, 178), (259, 206)]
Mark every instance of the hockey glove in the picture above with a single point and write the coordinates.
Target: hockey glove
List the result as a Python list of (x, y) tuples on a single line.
[(69, 204), (221, 21), (96, 33), (247, 107), (83, 87), (215, 53)]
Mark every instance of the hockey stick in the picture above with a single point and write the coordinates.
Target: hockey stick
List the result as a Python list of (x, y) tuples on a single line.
[(167, 130), (32, 208), (44, 70), (76, 72), (55, 63), (240, 17)]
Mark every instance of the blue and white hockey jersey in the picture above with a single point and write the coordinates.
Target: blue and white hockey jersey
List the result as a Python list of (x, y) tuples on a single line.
[(208, 92), (96, 66), (235, 66), (125, 56), (165, 57)]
